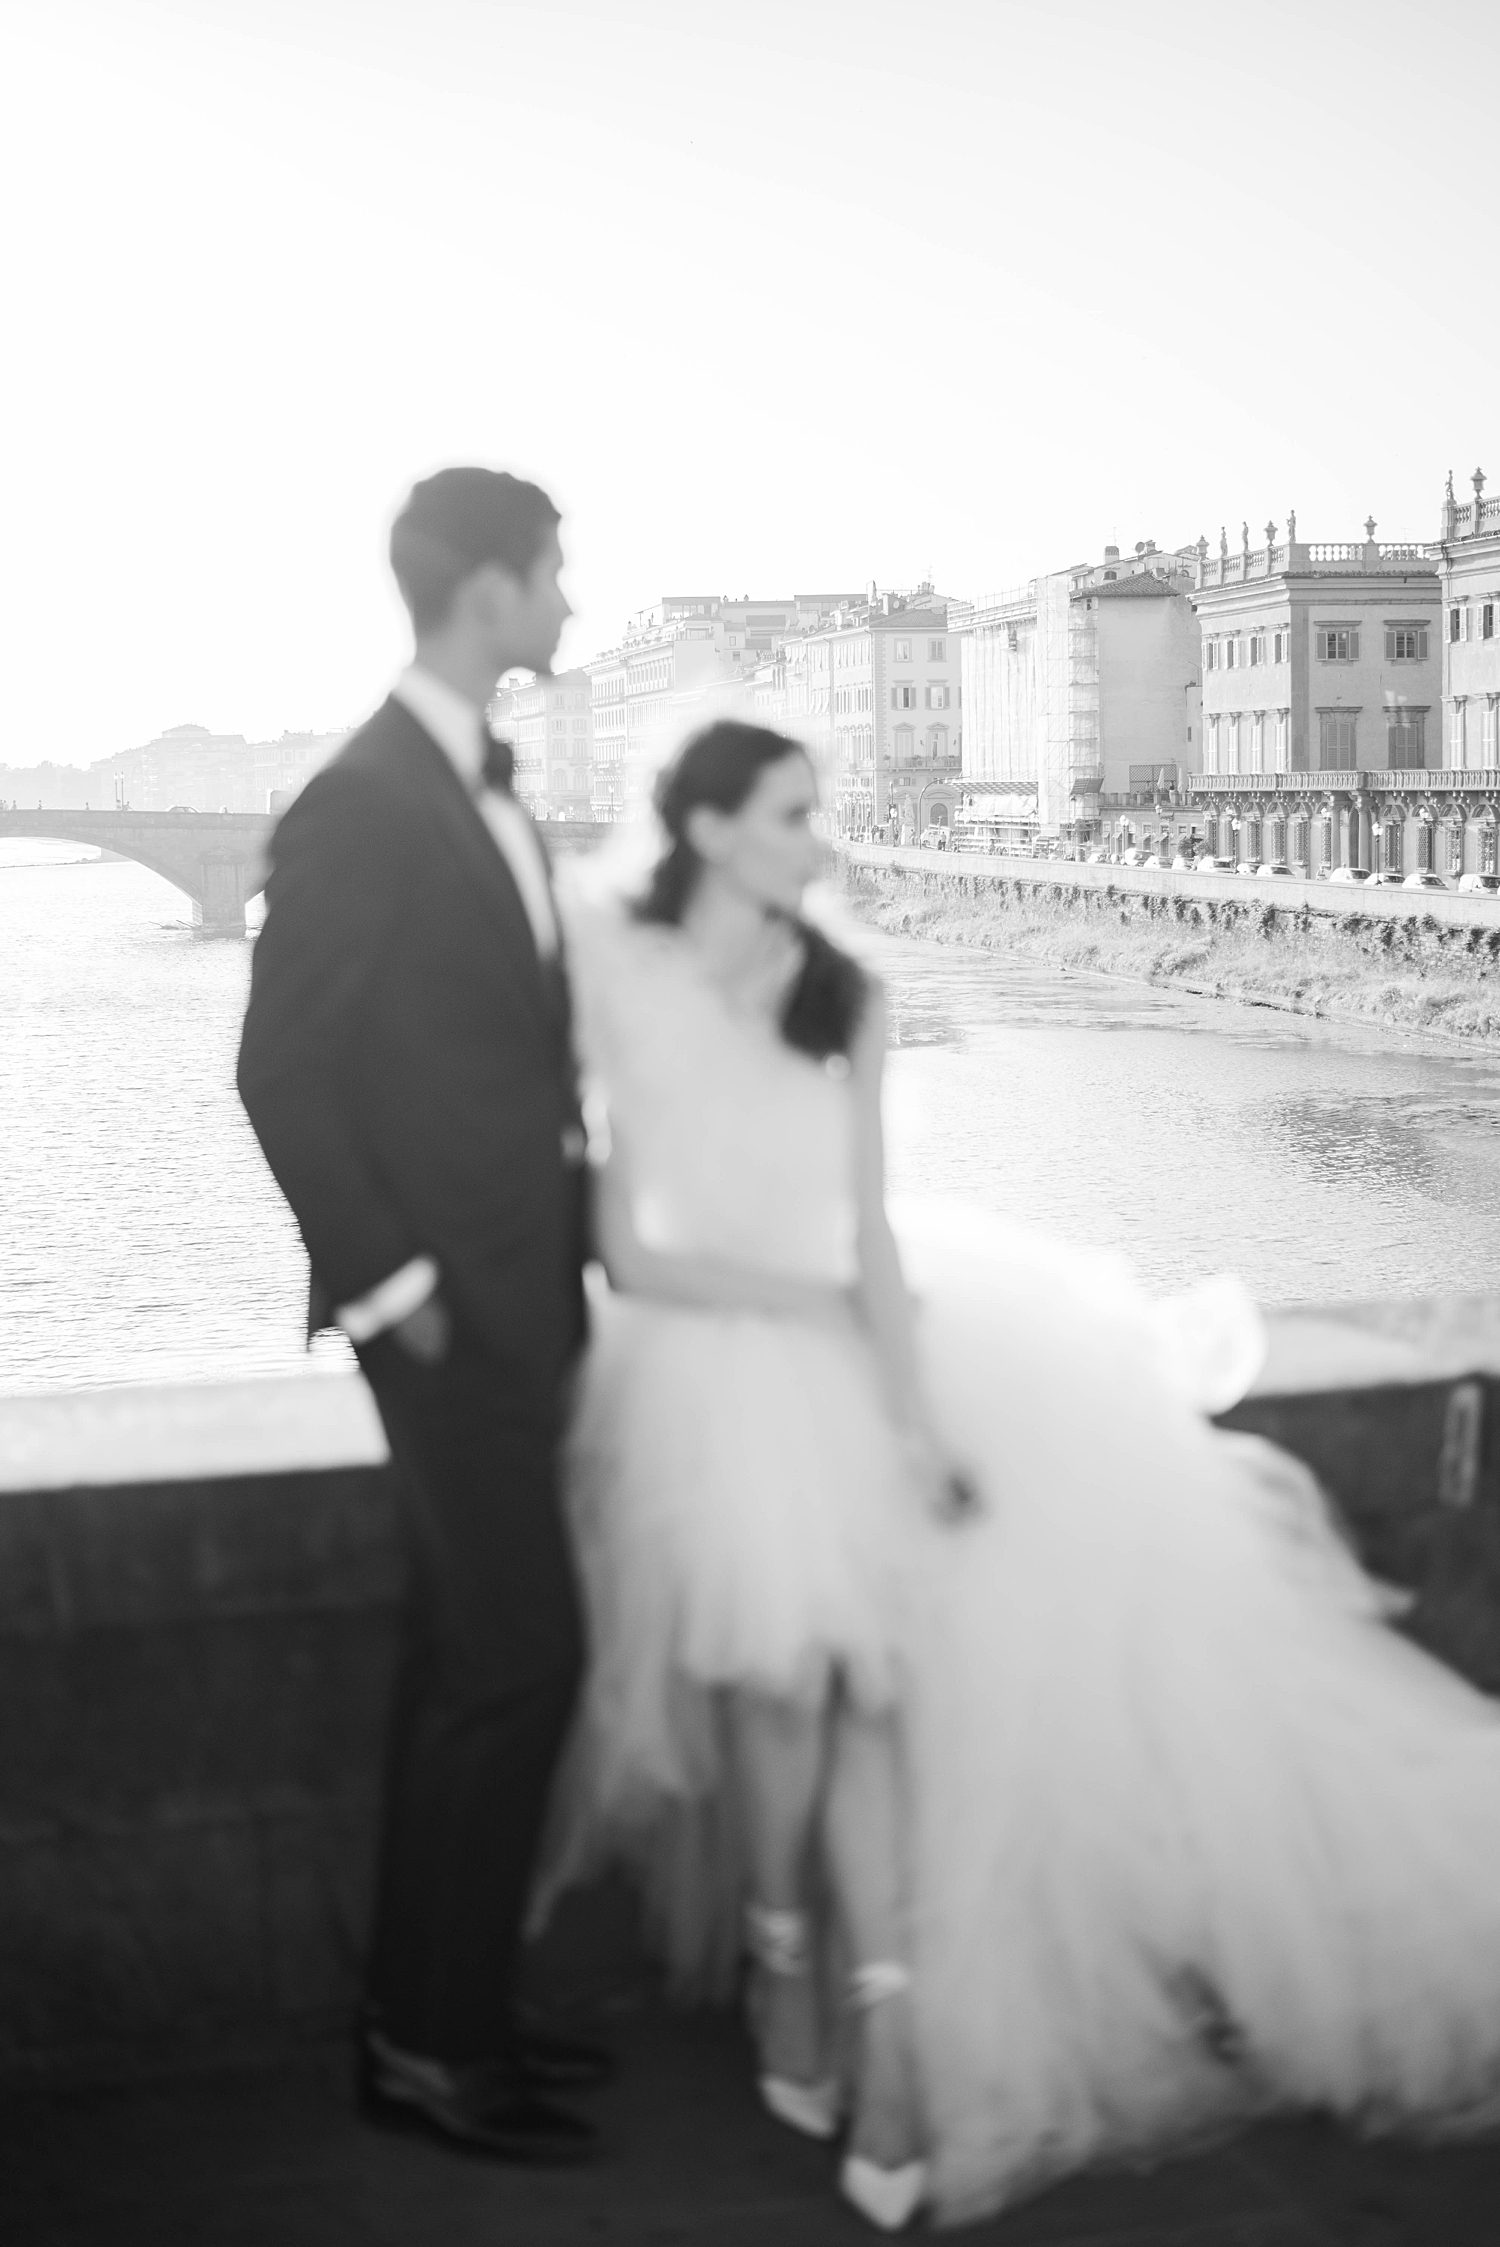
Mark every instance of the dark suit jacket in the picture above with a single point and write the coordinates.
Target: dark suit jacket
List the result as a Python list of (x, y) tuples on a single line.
[(406, 1059)]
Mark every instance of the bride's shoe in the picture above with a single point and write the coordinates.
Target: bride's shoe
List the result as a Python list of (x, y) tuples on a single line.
[(887, 2198), (781, 1946)]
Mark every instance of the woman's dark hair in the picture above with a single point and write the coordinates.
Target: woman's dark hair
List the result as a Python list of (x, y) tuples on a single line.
[(718, 767)]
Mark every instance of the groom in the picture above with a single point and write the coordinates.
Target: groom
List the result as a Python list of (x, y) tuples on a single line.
[(407, 1068)]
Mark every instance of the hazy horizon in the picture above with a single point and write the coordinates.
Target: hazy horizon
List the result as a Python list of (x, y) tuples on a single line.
[(961, 294)]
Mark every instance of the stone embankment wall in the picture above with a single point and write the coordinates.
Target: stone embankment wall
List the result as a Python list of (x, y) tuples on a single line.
[(198, 1613), (1411, 960)]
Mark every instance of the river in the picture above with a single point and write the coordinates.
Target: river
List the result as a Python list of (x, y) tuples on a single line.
[(144, 1240)]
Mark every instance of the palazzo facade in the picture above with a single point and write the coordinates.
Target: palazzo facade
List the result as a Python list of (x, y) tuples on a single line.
[(1323, 718)]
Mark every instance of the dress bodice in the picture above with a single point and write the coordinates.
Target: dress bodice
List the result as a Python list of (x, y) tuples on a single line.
[(735, 1144)]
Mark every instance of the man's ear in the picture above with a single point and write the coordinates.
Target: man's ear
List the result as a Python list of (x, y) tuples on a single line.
[(494, 591)]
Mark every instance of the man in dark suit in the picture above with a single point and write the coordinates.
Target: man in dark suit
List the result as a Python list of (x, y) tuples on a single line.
[(406, 1064)]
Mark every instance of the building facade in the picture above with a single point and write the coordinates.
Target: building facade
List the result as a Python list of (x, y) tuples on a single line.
[(550, 723), (1084, 685), (1321, 661), (685, 659), (1470, 561), (874, 689)]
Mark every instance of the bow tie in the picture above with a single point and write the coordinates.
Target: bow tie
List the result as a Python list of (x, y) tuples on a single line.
[(498, 765)]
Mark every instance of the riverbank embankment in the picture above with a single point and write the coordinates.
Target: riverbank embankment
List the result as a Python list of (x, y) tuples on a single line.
[(1426, 961)]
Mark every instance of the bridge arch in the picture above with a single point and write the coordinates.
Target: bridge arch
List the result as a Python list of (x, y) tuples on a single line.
[(217, 858)]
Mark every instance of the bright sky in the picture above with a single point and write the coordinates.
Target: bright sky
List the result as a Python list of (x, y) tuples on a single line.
[(772, 298)]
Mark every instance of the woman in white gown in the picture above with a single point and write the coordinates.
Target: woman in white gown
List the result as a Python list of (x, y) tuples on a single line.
[(954, 1642)]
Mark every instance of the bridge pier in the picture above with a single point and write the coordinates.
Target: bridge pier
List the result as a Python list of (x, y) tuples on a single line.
[(219, 902)]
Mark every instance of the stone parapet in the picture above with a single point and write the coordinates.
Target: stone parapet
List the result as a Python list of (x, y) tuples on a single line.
[(198, 1608)]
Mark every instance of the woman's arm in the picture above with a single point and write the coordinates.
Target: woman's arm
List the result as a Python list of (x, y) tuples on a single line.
[(707, 1283)]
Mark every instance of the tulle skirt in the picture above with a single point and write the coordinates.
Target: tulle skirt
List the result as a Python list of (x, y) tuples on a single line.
[(1192, 1832)]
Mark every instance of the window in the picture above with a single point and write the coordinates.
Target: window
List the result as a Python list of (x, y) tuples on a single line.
[(1487, 621), (1491, 743), (1281, 732), (937, 698), (903, 698), (904, 742), (903, 651), (1406, 643), (1281, 647), (1231, 654), (1338, 643), (937, 744), (1390, 846), (1210, 655), (1487, 851), (1455, 624), (1456, 731), (1425, 840), (1455, 847), (937, 651), (1257, 648), (1258, 742), (1211, 744), (1232, 743), (1336, 740), (1405, 734)]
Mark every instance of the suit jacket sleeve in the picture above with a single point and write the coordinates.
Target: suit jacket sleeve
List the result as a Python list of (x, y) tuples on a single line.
[(335, 892)]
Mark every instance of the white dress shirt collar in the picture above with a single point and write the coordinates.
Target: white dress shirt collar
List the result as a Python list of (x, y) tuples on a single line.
[(455, 723)]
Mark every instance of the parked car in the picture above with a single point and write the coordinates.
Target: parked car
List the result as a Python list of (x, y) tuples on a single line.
[(1390, 879), (1135, 857), (1246, 866), (1480, 885), (1424, 878), (1276, 866), (1181, 865), (1214, 866), (1098, 858), (1155, 860), (1349, 874)]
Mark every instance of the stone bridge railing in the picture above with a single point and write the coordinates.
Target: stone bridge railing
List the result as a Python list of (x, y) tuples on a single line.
[(198, 1593)]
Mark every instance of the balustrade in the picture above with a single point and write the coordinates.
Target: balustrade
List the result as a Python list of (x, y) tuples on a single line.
[(1447, 780)]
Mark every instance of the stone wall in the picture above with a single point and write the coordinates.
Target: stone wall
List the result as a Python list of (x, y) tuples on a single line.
[(194, 1664), (193, 1676)]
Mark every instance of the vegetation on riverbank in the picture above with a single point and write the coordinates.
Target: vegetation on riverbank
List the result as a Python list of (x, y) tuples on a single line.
[(1406, 974)]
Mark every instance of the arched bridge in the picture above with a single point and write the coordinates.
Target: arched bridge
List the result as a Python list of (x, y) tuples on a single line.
[(217, 857)]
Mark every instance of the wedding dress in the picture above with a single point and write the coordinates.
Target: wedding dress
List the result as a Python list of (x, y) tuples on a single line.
[(1192, 1832)]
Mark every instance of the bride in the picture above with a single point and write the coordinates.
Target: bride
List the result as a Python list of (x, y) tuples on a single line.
[(1044, 1747)]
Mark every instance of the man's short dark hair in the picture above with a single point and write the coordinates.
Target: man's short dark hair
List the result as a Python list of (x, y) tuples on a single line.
[(455, 522)]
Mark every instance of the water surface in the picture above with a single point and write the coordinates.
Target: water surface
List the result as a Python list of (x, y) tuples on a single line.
[(144, 1239)]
